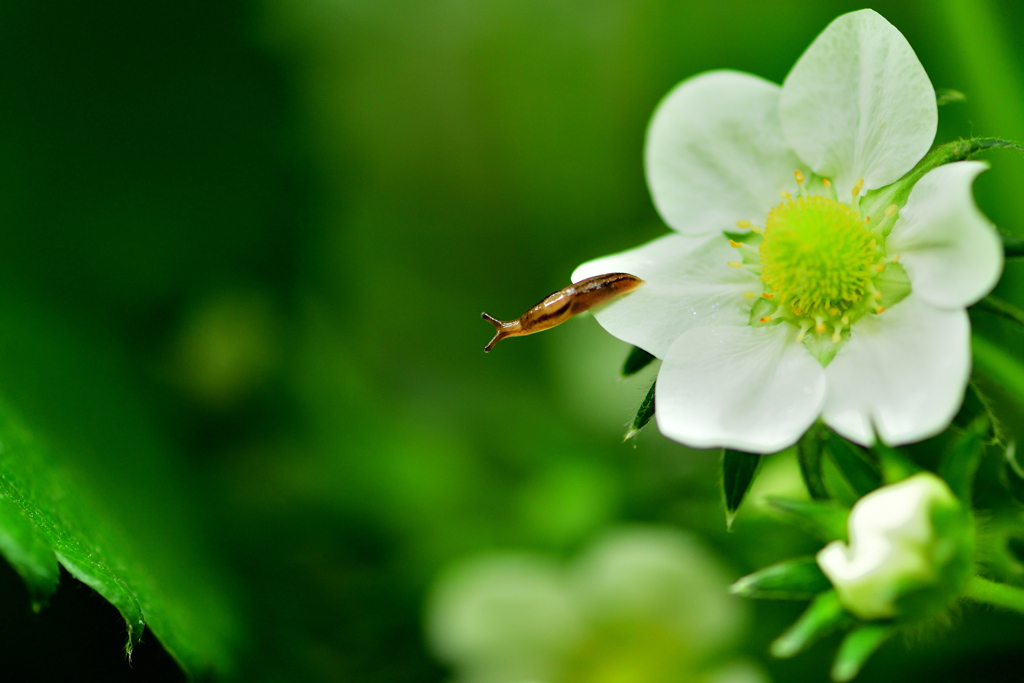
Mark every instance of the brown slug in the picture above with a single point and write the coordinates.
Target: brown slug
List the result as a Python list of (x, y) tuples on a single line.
[(559, 306)]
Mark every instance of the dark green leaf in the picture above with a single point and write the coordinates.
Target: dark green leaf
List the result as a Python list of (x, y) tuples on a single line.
[(855, 464), (28, 552), (857, 648), (643, 414), (961, 458), (738, 472), (975, 406), (821, 618), (826, 520), (799, 579), (103, 493), (998, 307), (1013, 245), (996, 364), (637, 360), (809, 457), (944, 96)]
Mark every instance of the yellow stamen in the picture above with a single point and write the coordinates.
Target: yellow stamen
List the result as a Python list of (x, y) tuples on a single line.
[(767, 295), (734, 244), (799, 176), (877, 295), (845, 320), (837, 334), (826, 182), (748, 295), (784, 195), (743, 224), (891, 210), (766, 319), (735, 264), (819, 325), (857, 187)]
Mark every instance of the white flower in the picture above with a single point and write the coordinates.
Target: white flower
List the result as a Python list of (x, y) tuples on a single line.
[(846, 308), (901, 544), (643, 604)]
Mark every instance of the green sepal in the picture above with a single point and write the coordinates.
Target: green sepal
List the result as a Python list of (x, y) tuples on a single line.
[(1013, 473), (761, 309), (893, 284), (961, 458), (854, 463), (857, 648), (637, 360), (808, 455), (798, 579), (825, 520), (738, 472), (895, 465), (643, 414), (824, 616), (877, 201)]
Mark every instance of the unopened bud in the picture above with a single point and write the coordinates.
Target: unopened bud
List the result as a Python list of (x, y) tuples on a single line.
[(910, 554)]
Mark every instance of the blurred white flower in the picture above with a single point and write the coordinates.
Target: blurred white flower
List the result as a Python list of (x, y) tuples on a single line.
[(836, 304), (911, 549), (644, 605)]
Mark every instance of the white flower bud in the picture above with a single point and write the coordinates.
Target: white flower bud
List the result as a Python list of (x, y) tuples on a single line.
[(911, 550)]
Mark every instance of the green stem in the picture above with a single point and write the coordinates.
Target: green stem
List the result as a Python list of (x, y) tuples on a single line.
[(997, 594)]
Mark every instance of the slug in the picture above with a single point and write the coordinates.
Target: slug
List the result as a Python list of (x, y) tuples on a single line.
[(559, 306)]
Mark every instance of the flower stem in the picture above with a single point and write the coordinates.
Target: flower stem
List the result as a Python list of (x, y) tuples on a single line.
[(997, 594)]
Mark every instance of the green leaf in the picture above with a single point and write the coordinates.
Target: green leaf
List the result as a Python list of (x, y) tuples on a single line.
[(808, 454), (825, 520), (637, 360), (738, 472), (857, 648), (961, 458), (643, 414), (824, 616), (854, 464), (84, 473), (28, 552), (799, 579)]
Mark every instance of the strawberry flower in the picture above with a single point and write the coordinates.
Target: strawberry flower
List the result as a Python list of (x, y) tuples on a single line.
[(804, 277)]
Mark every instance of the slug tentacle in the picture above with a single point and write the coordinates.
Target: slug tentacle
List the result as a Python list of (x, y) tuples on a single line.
[(504, 329), (559, 306)]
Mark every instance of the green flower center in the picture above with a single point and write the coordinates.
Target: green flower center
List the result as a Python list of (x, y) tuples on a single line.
[(822, 264), (818, 257)]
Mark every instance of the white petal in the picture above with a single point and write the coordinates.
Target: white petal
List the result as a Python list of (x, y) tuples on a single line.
[(686, 284), (858, 103), (903, 372), (750, 388), (715, 152), (950, 250)]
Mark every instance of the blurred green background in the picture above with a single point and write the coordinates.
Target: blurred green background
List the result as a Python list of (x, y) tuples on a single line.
[(266, 231)]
